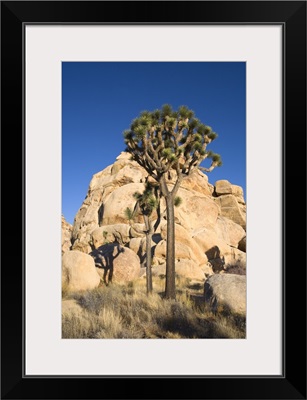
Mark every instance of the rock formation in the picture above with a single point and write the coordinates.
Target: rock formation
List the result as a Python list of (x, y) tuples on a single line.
[(210, 223), (66, 235)]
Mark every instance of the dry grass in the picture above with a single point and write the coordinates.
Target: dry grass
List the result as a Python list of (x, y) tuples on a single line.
[(125, 311)]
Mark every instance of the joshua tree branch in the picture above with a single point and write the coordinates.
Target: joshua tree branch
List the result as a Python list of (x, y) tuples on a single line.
[(211, 168)]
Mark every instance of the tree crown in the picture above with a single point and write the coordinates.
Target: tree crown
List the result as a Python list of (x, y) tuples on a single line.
[(163, 139)]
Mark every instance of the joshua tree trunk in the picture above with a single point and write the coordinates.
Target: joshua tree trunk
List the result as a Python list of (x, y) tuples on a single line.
[(169, 195), (149, 233), (170, 286)]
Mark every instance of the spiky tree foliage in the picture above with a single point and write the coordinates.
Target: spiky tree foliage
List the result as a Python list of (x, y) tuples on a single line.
[(146, 203), (129, 214), (165, 140)]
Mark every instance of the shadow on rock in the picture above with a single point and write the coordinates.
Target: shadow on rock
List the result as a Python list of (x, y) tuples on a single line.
[(104, 258)]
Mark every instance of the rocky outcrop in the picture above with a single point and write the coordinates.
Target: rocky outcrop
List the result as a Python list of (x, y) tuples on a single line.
[(66, 235), (209, 224), (78, 272), (110, 193), (226, 293)]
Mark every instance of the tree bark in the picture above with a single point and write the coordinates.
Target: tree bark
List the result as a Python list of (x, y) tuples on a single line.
[(149, 233), (148, 264), (170, 286)]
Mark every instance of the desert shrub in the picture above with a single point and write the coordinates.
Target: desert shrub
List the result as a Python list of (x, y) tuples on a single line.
[(91, 300), (125, 311)]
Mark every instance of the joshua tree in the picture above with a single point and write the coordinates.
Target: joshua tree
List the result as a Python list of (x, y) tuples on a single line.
[(163, 141), (146, 203)]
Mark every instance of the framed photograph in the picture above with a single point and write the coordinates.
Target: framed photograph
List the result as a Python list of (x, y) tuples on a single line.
[(84, 86)]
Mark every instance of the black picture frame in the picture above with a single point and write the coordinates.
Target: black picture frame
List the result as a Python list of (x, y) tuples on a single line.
[(292, 383)]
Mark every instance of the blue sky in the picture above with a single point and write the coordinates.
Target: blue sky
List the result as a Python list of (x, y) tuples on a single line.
[(100, 99)]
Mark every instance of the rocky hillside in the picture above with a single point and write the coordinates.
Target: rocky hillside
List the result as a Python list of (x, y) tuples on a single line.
[(210, 225)]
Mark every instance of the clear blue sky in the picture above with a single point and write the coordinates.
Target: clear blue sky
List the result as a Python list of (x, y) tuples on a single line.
[(100, 99)]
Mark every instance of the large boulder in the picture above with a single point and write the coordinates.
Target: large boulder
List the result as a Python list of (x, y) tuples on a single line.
[(222, 187), (78, 272), (231, 209), (119, 264), (226, 293)]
